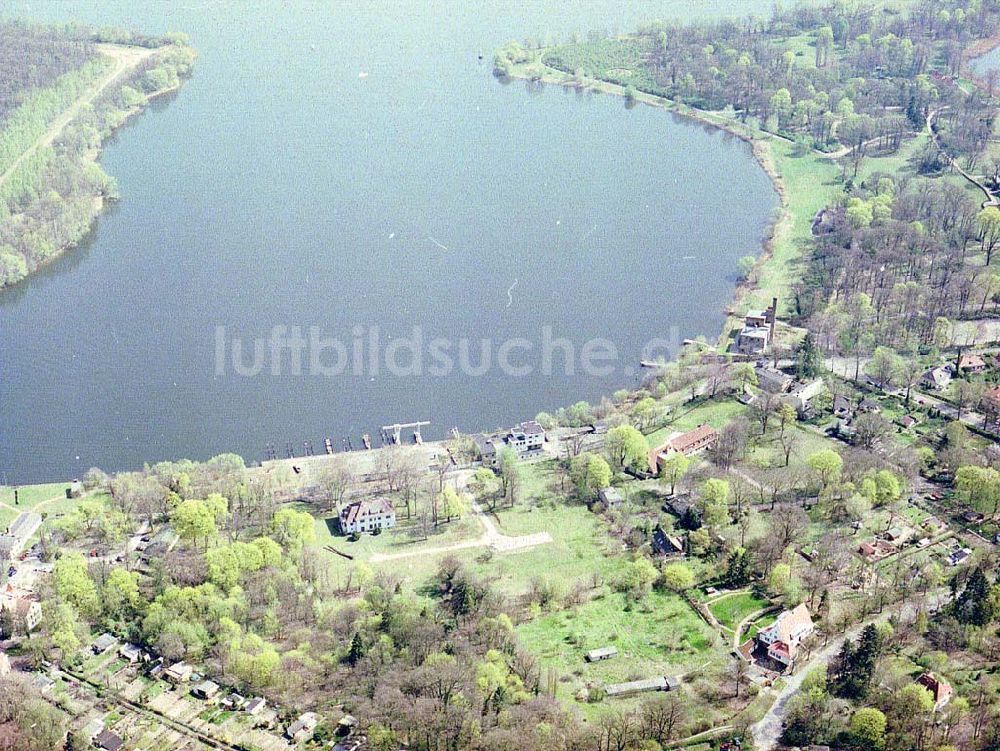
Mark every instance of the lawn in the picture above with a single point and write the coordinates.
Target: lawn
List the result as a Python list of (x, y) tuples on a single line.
[(578, 549), (716, 413), (758, 624), (730, 610), (811, 181), (659, 636), (29, 496)]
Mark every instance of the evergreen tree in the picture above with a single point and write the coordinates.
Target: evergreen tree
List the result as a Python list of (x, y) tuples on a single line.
[(856, 663), (808, 358), (690, 519), (974, 606), (738, 570), (357, 650)]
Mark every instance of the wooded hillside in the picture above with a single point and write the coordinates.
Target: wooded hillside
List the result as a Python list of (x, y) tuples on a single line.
[(33, 57)]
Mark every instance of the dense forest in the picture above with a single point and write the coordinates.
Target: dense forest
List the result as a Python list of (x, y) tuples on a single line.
[(32, 58), (50, 194)]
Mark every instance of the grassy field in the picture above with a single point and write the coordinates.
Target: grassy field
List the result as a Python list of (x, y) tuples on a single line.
[(30, 496), (660, 636), (715, 413), (421, 560), (730, 610)]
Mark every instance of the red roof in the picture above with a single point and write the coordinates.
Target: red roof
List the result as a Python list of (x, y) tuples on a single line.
[(970, 361), (693, 438), (940, 689)]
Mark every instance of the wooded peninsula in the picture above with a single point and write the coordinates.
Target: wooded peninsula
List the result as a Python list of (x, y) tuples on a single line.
[(64, 91)]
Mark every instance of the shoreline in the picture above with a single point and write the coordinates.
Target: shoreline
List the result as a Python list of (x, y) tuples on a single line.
[(100, 200), (760, 149)]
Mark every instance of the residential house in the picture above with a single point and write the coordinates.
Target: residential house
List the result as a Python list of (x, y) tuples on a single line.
[(774, 381), (206, 690), (685, 443), (898, 535), (256, 705), (131, 653), (610, 497), (162, 543), (757, 332), (680, 506), (907, 421), (108, 741), (602, 653), (783, 637), (179, 672), (971, 364), (936, 378), (487, 449), (234, 701), (940, 689), (869, 406), (958, 557), (18, 536), (753, 340), (877, 549), (302, 728), (103, 643), (804, 392), (21, 604), (664, 544), (367, 516), (527, 439)]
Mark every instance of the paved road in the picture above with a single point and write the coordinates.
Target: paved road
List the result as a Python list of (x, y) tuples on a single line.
[(767, 731)]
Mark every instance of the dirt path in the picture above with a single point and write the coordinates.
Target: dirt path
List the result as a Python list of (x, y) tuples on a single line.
[(990, 200), (490, 538), (125, 59)]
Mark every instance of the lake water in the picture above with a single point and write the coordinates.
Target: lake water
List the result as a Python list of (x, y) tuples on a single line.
[(983, 64), (355, 166)]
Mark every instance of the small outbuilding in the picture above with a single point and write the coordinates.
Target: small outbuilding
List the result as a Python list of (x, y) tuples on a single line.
[(108, 741), (659, 683), (602, 653), (206, 690), (610, 497), (103, 643)]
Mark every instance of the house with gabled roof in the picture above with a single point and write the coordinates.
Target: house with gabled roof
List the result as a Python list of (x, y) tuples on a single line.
[(940, 688), (367, 516), (684, 443), (783, 637), (936, 378), (971, 363)]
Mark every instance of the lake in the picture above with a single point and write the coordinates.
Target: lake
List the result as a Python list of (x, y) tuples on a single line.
[(354, 171)]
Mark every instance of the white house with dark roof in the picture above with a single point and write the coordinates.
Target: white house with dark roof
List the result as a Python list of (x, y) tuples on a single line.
[(367, 516), (527, 439)]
